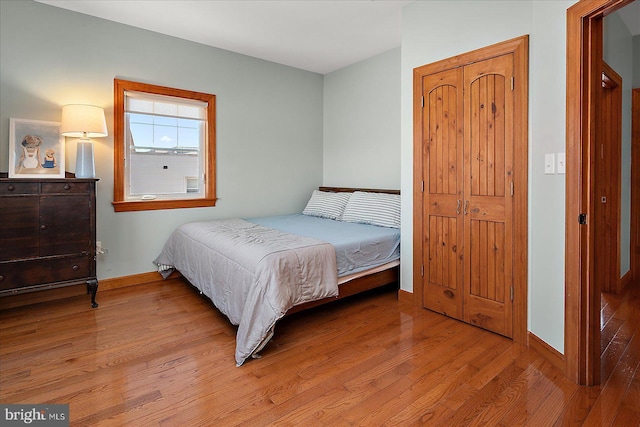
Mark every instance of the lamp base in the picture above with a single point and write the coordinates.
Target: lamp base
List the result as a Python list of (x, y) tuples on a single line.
[(85, 167)]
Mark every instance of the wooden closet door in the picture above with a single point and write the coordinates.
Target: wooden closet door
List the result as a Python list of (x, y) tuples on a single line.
[(442, 196), (488, 204)]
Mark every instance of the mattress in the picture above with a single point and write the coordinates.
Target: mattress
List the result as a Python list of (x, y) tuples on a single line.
[(359, 247)]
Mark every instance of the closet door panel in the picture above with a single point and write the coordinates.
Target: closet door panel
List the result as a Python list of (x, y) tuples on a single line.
[(442, 161), (488, 140)]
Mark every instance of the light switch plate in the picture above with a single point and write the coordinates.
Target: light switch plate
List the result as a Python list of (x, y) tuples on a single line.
[(549, 164), (561, 162)]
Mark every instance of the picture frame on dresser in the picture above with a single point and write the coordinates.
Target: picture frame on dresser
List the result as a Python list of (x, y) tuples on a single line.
[(36, 149)]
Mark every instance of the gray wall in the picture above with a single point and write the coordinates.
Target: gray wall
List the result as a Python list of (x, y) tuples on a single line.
[(618, 53), (269, 116), (362, 123)]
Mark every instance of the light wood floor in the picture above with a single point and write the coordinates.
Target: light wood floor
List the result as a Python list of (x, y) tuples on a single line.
[(159, 354)]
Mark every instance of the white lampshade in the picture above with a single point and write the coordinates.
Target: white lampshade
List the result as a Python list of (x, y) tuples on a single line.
[(83, 121)]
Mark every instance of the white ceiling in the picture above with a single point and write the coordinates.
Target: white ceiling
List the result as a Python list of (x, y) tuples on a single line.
[(314, 35), (630, 15)]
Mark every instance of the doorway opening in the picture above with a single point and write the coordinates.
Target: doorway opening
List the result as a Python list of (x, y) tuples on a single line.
[(582, 293)]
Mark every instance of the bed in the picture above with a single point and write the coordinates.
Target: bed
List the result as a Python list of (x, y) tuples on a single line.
[(257, 270)]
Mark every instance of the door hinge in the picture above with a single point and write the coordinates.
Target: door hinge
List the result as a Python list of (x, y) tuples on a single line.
[(513, 82), (511, 292), (582, 219), (422, 271), (423, 102), (511, 188), (422, 189)]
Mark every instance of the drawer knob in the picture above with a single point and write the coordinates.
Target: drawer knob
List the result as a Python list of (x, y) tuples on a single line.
[(1, 277), (11, 187), (43, 227), (66, 187), (75, 267)]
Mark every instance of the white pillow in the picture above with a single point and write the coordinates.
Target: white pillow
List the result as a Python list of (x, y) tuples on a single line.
[(326, 204), (373, 208)]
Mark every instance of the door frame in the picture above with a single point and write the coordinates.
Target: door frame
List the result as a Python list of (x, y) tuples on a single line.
[(519, 47), (635, 185), (582, 298)]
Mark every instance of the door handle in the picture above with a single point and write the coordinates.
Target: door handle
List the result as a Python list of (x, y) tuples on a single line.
[(458, 207), (466, 207)]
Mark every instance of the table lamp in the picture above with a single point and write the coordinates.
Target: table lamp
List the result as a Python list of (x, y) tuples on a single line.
[(84, 122)]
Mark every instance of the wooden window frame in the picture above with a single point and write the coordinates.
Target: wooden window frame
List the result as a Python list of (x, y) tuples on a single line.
[(120, 204)]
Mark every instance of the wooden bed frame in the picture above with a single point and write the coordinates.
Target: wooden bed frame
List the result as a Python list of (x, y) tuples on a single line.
[(361, 284)]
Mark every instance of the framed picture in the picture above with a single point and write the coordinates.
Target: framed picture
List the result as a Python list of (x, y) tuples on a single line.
[(36, 149)]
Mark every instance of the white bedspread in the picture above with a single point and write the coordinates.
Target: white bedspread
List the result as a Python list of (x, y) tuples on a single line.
[(253, 274)]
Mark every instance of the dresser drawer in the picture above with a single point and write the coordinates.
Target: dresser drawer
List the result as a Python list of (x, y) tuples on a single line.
[(66, 187), (37, 272), (14, 188)]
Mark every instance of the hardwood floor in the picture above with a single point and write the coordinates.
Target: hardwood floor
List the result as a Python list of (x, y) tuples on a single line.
[(160, 355)]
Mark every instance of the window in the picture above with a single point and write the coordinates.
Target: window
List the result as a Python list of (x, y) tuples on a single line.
[(164, 147)]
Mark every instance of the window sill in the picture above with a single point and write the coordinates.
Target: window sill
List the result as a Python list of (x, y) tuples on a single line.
[(150, 205)]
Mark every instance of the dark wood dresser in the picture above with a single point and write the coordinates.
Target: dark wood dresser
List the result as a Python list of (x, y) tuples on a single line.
[(47, 235)]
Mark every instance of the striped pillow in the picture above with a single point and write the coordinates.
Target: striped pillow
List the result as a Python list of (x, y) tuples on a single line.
[(373, 208), (326, 204)]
